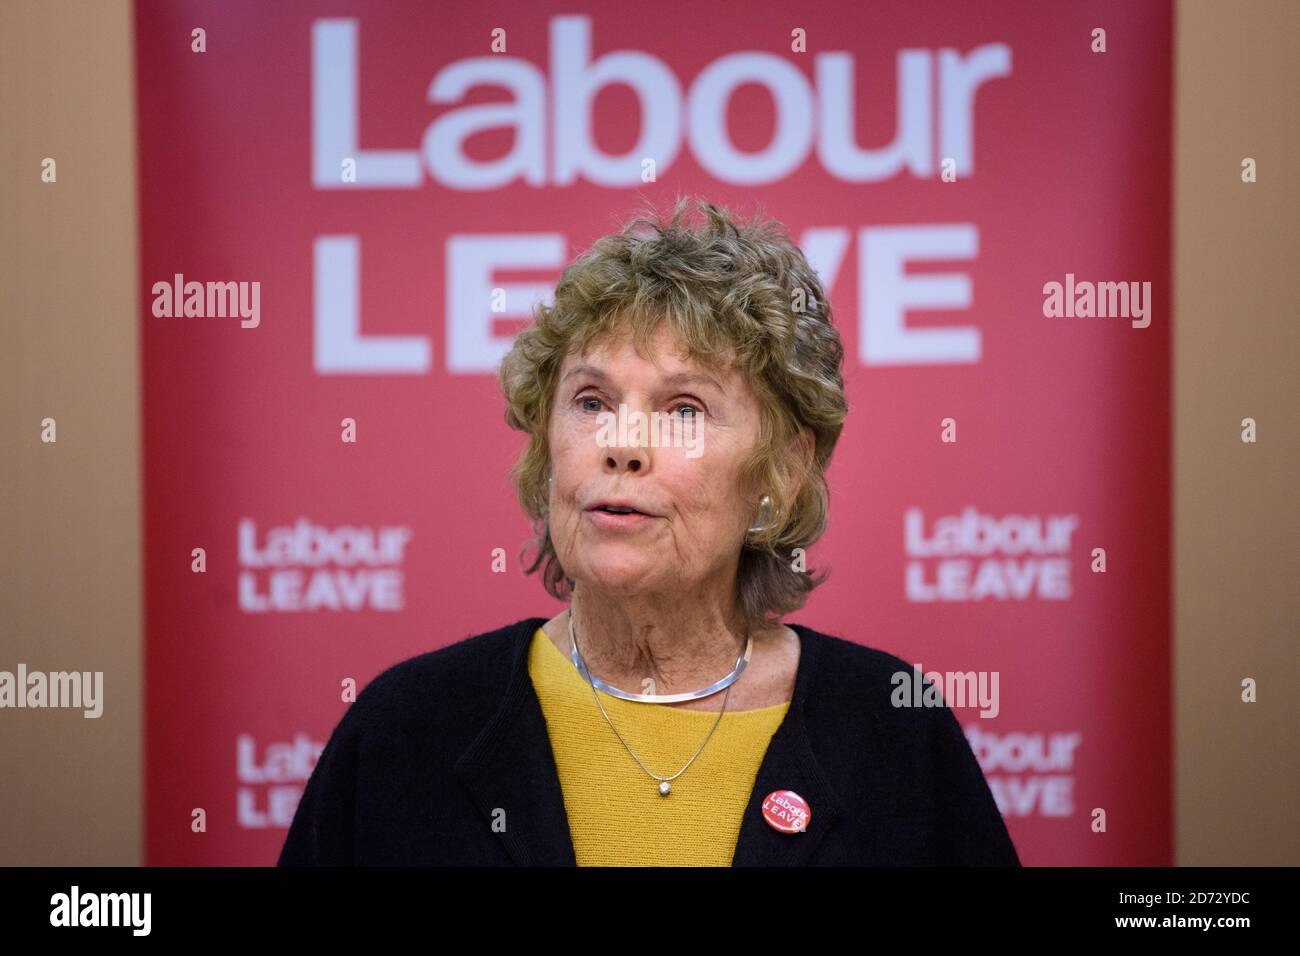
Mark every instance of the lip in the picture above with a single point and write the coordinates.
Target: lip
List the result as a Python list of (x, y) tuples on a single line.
[(618, 503), (618, 522)]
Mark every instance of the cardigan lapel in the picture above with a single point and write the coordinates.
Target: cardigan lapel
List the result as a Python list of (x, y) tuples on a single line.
[(790, 764), (510, 766)]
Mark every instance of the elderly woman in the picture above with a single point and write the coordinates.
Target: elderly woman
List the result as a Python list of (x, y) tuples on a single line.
[(682, 399)]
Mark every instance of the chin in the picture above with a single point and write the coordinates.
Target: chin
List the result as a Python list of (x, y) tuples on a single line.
[(623, 581)]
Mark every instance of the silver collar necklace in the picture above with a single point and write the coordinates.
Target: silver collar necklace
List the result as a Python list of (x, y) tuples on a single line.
[(581, 665)]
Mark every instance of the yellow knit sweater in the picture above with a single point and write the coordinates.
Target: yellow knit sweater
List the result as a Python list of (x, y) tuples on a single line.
[(617, 816)]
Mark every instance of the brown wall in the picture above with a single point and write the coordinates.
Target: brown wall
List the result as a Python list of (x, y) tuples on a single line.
[(1236, 348), (70, 787), (70, 790)]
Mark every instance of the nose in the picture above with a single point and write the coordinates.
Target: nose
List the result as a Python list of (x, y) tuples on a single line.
[(626, 448), (630, 458)]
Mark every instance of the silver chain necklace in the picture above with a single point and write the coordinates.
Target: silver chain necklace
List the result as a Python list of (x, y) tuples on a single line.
[(665, 783)]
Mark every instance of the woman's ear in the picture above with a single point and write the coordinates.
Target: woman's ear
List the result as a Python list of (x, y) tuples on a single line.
[(802, 449), (806, 446)]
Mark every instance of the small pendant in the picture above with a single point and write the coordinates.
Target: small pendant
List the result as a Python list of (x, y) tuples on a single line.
[(664, 787)]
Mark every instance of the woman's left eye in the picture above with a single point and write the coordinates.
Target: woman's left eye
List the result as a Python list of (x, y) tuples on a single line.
[(695, 409)]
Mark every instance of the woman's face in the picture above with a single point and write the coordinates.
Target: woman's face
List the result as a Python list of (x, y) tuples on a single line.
[(695, 512)]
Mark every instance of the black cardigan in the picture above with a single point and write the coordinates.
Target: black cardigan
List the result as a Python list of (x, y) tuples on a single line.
[(436, 746)]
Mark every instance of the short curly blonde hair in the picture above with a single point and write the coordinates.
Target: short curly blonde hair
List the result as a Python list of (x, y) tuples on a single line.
[(738, 294)]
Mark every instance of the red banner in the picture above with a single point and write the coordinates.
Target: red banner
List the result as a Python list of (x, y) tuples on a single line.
[(336, 199)]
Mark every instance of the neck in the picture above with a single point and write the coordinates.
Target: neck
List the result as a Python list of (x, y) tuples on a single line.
[(658, 647)]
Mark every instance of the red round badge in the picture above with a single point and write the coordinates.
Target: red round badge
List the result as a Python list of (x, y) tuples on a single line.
[(786, 812)]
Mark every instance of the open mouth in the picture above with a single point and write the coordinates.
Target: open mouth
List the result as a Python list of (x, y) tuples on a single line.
[(618, 515)]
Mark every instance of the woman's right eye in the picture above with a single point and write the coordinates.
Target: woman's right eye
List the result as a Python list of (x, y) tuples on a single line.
[(583, 399)]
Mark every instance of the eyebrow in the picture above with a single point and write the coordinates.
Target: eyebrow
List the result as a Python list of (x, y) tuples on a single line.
[(677, 378)]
